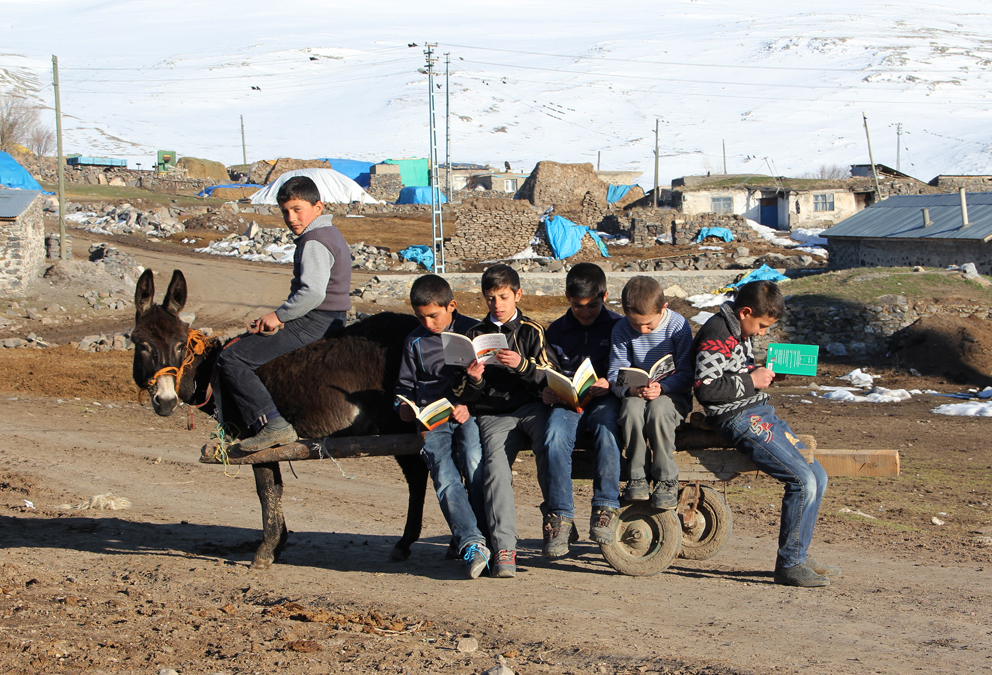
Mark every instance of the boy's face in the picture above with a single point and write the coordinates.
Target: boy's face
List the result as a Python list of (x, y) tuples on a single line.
[(299, 213), (435, 318), (502, 302), (585, 310), (645, 323), (752, 325)]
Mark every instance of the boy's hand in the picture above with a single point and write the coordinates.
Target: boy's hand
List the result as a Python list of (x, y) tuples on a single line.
[(762, 378), (461, 414), (649, 392), (600, 387), (549, 397), (406, 413), (509, 359), (475, 370), (266, 322)]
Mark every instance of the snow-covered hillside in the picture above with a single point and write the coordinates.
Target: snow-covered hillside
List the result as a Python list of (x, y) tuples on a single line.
[(529, 81)]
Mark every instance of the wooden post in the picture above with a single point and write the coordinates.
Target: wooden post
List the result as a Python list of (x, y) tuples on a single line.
[(656, 163), (874, 172)]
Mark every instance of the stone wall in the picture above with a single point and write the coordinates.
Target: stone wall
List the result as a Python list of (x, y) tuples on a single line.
[(385, 186), (846, 253), (23, 249), (491, 229), (561, 185), (969, 183), (647, 225)]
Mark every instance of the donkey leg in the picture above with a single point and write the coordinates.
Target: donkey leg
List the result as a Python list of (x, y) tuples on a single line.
[(416, 474), (268, 485)]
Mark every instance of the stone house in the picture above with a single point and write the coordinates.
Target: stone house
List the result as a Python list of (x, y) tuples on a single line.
[(933, 230), (22, 239), (493, 180)]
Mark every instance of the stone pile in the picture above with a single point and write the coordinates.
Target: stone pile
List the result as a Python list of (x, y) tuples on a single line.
[(118, 342), (492, 229), (114, 262), (378, 258), (29, 342), (53, 249), (257, 244), (126, 219)]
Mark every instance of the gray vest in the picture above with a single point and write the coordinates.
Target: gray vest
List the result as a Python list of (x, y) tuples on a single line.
[(336, 298)]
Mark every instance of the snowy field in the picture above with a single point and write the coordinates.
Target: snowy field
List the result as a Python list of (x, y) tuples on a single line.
[(782, 83)]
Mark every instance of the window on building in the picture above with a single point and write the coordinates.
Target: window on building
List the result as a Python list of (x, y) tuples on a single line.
[(510, 185), (823, 202), (722, 204)]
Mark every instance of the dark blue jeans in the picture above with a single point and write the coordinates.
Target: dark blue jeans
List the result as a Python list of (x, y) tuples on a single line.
[(441, 447), (771, 445), (564, 425), (237, 363)]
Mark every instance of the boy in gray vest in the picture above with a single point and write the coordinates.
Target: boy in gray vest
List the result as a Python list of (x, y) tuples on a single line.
[(318, 302)]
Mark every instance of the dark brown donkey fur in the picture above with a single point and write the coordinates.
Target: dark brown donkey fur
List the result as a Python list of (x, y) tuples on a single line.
[(340, 385)]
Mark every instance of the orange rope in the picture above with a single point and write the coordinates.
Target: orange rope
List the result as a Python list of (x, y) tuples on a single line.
[(196, 344)]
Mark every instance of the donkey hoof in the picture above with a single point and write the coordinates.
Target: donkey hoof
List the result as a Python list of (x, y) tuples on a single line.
[(263, 560), (399, 554)]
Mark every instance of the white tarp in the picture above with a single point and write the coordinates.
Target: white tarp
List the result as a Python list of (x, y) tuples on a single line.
[(335, 188)]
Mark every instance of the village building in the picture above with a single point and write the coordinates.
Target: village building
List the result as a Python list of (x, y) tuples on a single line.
[(22, 239), (933, 230)]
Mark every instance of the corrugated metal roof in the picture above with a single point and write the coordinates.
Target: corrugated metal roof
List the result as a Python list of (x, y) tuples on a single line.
[(13, 202), (901, 217)]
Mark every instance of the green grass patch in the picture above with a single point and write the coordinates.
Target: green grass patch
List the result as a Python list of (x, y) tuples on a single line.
[(109, 193), (866, 284)]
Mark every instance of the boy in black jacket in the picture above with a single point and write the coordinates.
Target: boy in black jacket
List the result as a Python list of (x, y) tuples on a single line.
[(506, 398), (729, 386)]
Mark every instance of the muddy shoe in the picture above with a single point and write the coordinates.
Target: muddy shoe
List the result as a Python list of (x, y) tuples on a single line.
[(476, 559), (665, 495), (559, 533), (801, 575), (636, 490), (268, 438), (505, 566), (821, 569), (602, 525)]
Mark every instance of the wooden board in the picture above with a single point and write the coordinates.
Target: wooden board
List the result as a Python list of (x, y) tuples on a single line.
[(859, 462)]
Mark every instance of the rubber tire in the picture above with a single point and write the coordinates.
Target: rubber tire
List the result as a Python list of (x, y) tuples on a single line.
[(645, 541), (717, 528)]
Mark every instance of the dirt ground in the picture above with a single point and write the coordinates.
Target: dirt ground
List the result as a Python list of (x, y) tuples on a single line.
[(166, 584)]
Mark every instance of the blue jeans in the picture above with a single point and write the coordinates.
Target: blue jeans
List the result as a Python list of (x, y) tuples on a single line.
[(771, 445), (439, 455), (564, 425)]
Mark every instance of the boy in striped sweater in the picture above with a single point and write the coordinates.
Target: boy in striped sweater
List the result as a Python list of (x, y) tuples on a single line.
[(651, 412)]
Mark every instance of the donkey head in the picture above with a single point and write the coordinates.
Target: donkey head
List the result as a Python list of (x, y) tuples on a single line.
[(159, 338)]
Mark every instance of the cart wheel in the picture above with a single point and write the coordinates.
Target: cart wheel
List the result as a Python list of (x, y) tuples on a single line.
[(645, 541), (709, 529)]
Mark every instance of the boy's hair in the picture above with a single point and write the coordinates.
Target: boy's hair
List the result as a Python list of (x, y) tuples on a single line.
[(430, 289), (643, 295), (500, 276), (298, 187), (586, 280), (763, 297)]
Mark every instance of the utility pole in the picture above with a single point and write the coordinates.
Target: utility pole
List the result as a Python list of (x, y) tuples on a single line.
[(437, 224), (725, 157), (447, 122), (656, 162), (244, 153), (63, 245), (899, 147), (599, 159), (874, 172)]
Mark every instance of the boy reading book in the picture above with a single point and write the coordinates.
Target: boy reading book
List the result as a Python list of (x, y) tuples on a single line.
[(448, 430), (651, 412)]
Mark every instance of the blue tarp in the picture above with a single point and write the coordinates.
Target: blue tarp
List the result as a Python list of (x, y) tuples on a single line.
[(354, 169), (418, 195), (615, 193), (13, 175), (422, 255), (761, 274), (208, 191), (565, 237), (719, 232)]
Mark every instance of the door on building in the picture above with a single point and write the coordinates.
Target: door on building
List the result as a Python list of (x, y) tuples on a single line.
[(769, 211)]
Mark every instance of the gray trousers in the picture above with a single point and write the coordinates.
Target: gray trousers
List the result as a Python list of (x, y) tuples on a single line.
[(653, 421), (503, 436)]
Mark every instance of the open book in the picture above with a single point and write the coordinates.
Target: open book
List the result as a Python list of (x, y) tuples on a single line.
[(460, 351), (635, 377), (574, 391), (433, 414), (792, 359)]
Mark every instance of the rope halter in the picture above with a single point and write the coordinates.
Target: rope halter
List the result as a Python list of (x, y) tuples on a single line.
[(196, 344)]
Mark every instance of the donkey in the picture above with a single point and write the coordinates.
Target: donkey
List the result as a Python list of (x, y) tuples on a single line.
[(340, 385)]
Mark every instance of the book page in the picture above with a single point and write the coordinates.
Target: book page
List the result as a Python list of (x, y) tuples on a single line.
[(413, 406), (632, 377), (663, 368), (488, 346), (562, 386), (458, 349), (583, 380)]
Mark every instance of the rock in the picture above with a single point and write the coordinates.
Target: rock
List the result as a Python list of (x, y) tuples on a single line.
[(468, 645), (919, 269), (167, 671), (85, 344), (33, 315), (746, 261), (936, 521), (555, 266), (742, 252), (408, 266), (859, 349), (101, 179), (12, 343), (675, 291), (188, 317), (836, 349), (117, 181), (499, 670), (252, 230)]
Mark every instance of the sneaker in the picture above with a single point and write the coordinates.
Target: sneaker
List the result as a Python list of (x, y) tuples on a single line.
[(821, 569), (505, 565), (476, 559), (559, 534), (665, 495), (268, 438), (801, 575), (636, 490), (602, 524)]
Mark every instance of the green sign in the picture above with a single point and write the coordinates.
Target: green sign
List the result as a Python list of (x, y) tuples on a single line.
[(793, 359)]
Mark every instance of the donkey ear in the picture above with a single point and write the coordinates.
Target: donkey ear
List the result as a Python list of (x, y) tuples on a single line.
[(175, 296), (144, 293)]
